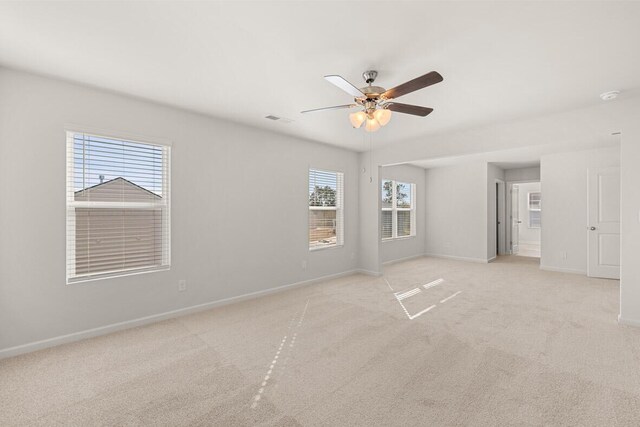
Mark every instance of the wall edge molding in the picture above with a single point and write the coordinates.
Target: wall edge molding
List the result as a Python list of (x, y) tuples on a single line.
[(141, 321), (457, 258), (562, 270), (628, 322), (407, 258)]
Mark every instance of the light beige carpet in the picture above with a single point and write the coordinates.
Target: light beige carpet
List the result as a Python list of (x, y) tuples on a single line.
[(501, 344)]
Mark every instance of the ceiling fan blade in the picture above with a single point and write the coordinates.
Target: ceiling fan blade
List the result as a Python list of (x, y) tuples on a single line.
[(415, 110), (337, 107), (344, 85), (413, 85)]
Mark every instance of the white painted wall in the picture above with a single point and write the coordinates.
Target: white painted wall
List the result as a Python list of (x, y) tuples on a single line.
[(564, 213), (239, 210), (578, 129), (525, 233), (522, 174), (456, 211), (630, 220), (396, 249), (493, 173)]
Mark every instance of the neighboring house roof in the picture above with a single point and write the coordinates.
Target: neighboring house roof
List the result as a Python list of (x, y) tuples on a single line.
[(115, 186)]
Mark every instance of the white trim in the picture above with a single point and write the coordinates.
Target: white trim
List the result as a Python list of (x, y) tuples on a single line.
[(395, 239), (493, 258), (127, 324), (628, 322), (394, 209), (457, 258), (331, 246), (408, 258), (562, 270), (134, 137), (368, 272)]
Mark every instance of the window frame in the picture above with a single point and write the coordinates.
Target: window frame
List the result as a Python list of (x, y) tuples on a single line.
[(394, 209), (339, 209), (530, 209), (71, 204)]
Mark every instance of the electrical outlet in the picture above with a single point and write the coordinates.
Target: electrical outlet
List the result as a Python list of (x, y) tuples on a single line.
[(304, 264), (353, 255), (563, 254), (182, 285)]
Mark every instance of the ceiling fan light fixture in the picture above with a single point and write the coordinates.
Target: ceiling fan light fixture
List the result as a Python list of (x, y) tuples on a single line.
[(357, 119), (382, 116), (372, 125)]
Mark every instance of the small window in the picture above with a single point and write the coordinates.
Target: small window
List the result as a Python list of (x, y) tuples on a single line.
[(326, 216), (535, 209), (117, 207), (398, 209)]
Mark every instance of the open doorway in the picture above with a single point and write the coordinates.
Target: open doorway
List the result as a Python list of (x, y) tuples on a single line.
[(525, 208)]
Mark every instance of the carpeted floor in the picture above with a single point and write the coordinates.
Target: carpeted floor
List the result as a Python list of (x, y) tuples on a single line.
[(492, 344)]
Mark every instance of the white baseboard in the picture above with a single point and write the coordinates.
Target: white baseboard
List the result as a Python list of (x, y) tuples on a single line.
[(562, 270), (457, 258), (628, 322), (368, 272), (493, 258), (408, 258), (529, 242), (114, 327)]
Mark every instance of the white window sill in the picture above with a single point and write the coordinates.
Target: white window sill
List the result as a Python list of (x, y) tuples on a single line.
[(395, 239), (114, 275), (321, 248)]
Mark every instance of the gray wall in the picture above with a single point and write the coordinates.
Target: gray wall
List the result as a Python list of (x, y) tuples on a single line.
[(630, 221), (564, 206), (407, 247), (222, 174), (522, 174), (456, 211)]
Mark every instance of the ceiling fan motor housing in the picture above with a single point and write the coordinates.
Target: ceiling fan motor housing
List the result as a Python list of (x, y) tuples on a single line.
[(369, 76)]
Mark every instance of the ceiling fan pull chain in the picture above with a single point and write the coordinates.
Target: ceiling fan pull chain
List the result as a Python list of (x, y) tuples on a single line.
[(370, 159)]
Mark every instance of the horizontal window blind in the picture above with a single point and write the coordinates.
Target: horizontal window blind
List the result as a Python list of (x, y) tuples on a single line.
[(118, 210), (535, 209), (398, 209), (326, 217)]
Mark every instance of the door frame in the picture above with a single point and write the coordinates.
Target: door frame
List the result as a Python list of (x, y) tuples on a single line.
[(501, 244), (508, 209)]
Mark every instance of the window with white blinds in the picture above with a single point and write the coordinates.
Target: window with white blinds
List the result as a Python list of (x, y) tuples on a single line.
[(117, 207), (398, 209), (326, 216), (535, 209)]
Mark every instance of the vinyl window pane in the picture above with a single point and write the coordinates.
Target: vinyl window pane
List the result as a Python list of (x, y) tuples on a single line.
[(117, 206), (404, 223), (535, 219), (403, 195), (387, 224), (326, 216), (387, 194)]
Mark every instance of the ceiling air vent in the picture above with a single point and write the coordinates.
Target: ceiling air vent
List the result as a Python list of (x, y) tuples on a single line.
[(280, 119)]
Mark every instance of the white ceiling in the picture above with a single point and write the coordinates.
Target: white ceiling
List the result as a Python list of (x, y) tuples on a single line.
[(523, 157), (501, 61)]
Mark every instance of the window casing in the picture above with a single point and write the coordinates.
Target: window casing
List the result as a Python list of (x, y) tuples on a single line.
[(326, 212), (398, 209), (534, 203), (118, 207)]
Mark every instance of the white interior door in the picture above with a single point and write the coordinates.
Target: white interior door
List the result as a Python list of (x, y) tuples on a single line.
[(515, 219), (604, 223)]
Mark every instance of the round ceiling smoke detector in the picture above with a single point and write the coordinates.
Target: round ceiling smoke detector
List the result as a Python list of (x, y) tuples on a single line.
[(608, 96)]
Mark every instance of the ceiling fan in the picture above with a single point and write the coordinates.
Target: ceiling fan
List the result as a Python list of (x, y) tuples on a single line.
[(377, 102)]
